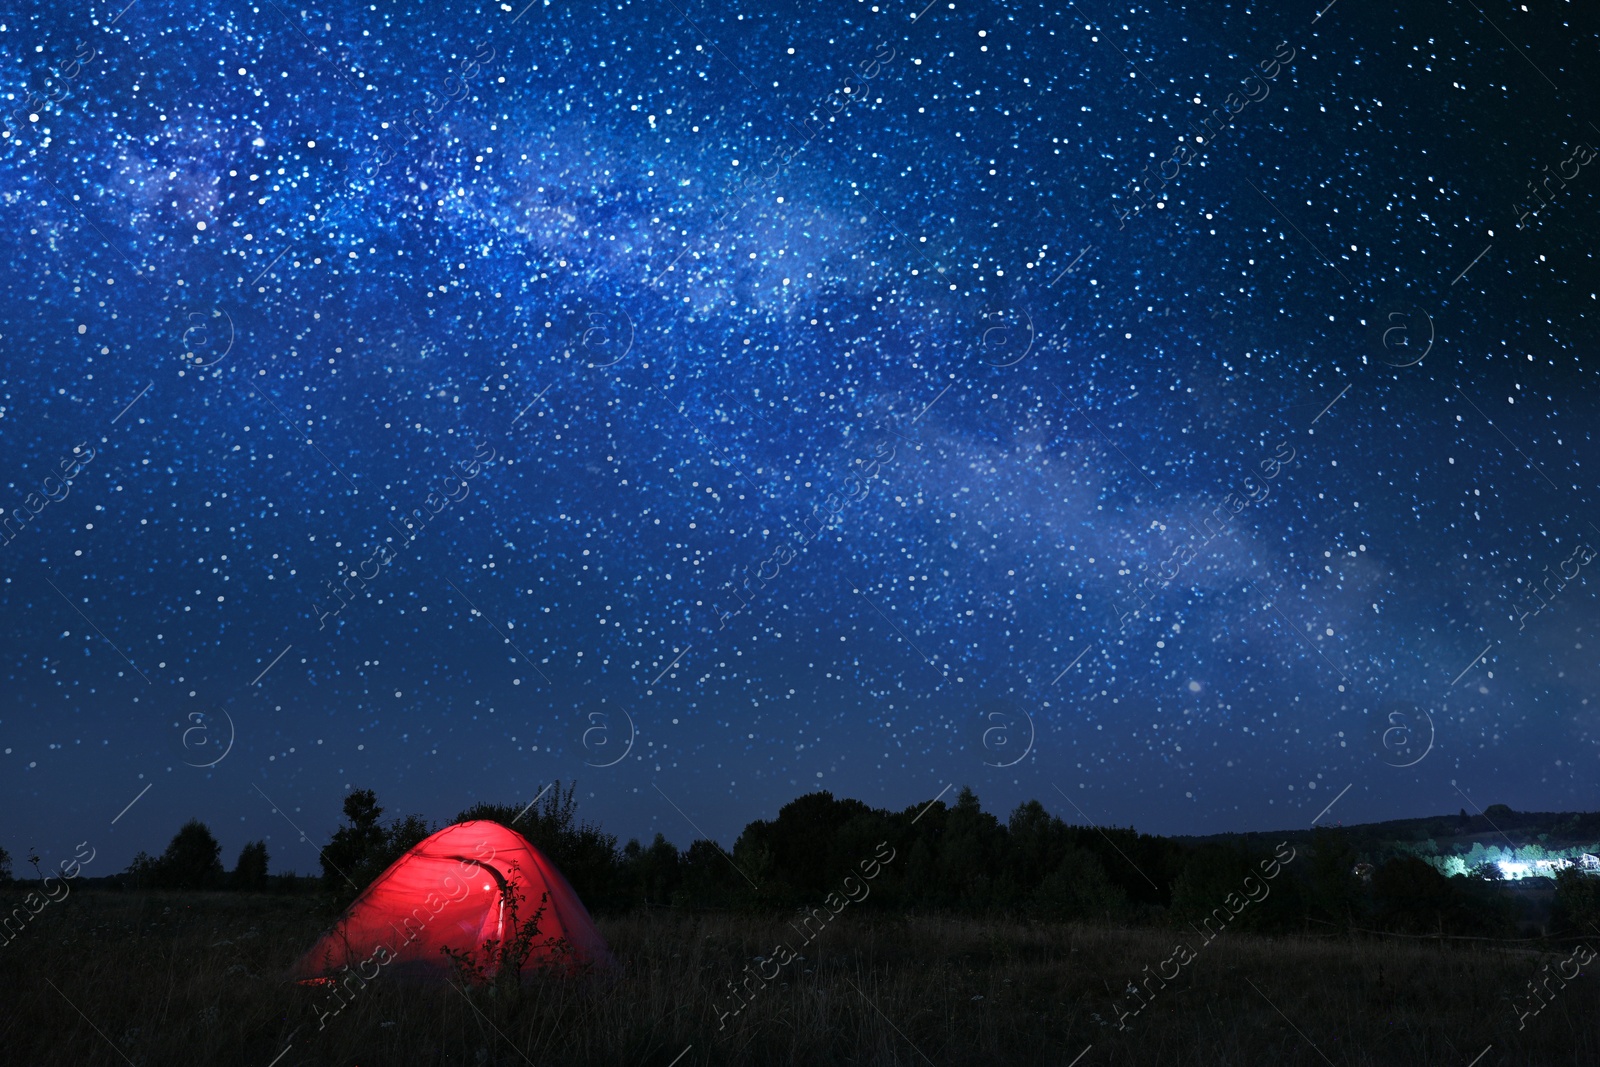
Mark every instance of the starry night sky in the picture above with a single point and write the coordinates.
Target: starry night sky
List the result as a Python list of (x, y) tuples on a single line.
[(716, 402)]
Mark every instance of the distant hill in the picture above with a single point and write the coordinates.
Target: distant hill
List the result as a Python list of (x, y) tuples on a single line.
[(1498, 834)]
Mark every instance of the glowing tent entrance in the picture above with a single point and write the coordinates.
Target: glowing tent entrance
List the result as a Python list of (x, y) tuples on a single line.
[(450, 892)]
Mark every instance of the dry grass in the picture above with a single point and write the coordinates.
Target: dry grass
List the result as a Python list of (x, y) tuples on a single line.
[(198, 979)]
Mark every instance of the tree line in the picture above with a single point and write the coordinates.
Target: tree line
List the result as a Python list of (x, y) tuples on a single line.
[(958, 857), (192, 860), (952, 857)]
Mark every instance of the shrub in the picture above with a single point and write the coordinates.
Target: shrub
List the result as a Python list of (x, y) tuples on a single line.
[(498, 963), (1577, 906)]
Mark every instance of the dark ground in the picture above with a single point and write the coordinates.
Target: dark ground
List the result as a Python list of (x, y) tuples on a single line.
[(199, 978)]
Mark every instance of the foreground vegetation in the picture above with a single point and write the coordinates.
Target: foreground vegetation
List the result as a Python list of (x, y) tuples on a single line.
[(836, 933), (199, 977)]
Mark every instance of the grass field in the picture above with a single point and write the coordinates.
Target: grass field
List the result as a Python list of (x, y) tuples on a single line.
[(173, 978)]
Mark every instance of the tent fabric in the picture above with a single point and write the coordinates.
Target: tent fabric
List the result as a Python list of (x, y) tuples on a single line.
[(446, 892)]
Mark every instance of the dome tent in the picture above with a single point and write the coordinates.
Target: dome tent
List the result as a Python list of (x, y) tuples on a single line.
[(451, 891)]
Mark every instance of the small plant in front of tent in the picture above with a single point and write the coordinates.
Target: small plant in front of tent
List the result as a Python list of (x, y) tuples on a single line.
[(498, 963)]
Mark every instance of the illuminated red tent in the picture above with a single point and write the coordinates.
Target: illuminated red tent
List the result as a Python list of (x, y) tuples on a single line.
[(449, 891)]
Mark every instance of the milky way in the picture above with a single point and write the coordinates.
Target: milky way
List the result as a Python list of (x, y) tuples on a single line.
[(1177, 415)]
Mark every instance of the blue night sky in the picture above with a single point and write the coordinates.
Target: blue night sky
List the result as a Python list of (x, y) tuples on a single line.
[(1182, 415)]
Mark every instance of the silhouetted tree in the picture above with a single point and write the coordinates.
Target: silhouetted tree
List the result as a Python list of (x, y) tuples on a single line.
[(1413, 897), (1051, 868), (1141, 865), (1481, 908), (5, 866), (1333, 889), (504, 814), (583, 852), (1410, 894), (141, 873), (1079, 889), (1223, 884), (709, 878), (394, 841), (363, 849), (801, 855), (1038, 842), (654, 870), (192, 859), (970, 852), (250, 871), (345, 858)]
